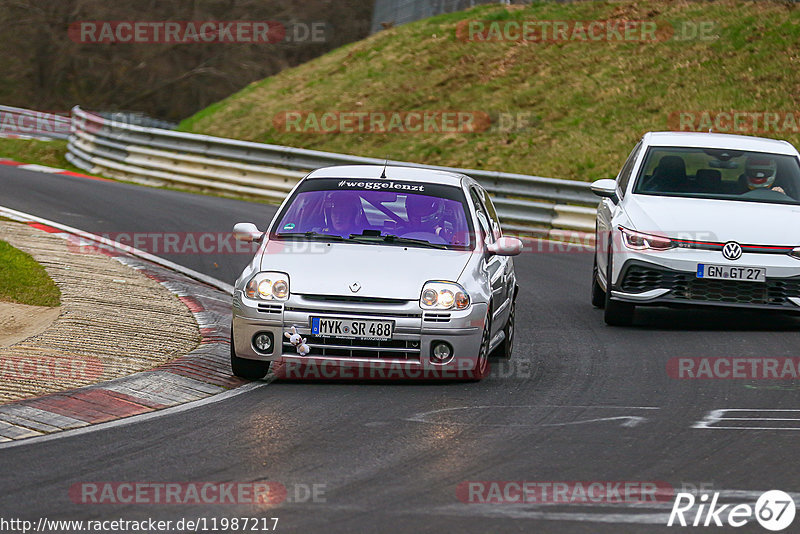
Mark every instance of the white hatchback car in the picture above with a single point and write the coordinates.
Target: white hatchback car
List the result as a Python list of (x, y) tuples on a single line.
[(395, 269), (699, 219)]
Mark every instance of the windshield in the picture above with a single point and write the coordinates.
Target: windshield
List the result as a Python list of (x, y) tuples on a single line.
[(720, 174), (377, 211)]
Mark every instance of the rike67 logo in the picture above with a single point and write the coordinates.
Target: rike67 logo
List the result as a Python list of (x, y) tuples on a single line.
[(774, 510)]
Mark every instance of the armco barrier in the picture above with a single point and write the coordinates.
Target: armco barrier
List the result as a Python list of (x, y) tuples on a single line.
[(25, 124), (526, 204)]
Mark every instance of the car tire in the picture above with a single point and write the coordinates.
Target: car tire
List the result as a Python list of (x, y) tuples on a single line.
[(598, 295), (505, 349), (481, 368), (246, 368), (616, 313)]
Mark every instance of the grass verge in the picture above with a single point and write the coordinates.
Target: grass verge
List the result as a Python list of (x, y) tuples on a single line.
[(50, 153), (23, 280), (582, 104)]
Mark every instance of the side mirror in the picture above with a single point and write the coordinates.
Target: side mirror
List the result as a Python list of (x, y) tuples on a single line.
[(505, 246), (606, 188), (247, 232)]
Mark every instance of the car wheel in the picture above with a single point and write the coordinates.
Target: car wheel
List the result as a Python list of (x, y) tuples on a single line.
[(598, 295), (246, 368), (481, 368), (616, 313), (507, 346)]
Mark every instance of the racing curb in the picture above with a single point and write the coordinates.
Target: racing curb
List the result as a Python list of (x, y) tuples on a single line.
[(202, 373), (48, 170)]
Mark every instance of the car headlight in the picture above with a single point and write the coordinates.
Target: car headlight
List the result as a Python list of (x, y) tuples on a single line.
[(268, 286), (641, 241), (443, 296), (795, 253)]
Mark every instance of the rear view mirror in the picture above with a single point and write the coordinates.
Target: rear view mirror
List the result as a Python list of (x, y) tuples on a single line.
[(247, 232), (505, 246)]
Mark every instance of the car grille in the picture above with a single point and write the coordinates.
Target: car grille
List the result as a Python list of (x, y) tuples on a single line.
[(392, 349), (685, 286), (270, 308), (436, 318), (639, 279), (352, 305), (377, 314), (359, 300)]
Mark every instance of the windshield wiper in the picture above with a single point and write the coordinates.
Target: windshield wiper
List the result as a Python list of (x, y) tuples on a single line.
[(314, 235), (391, 238)]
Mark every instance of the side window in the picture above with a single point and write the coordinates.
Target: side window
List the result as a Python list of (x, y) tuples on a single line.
[(483, 216), (627, 169), (495, 220)]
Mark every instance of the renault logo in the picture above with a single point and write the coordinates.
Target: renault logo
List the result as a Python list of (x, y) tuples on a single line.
[(355, 286), (732, 250)]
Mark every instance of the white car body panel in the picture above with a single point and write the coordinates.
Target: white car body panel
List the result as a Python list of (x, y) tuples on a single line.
[(382, 271), (715, 220)]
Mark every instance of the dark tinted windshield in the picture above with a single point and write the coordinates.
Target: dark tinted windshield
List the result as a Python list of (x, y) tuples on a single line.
[(720, 174), (371, 210)]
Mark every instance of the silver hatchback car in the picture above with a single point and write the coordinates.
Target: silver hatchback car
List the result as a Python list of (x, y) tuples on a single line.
[(377, 272)]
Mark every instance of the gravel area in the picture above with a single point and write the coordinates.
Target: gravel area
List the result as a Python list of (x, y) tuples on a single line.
[(113, 321)]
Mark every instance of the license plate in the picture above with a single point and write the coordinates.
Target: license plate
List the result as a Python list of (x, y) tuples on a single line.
[(730, 272), (351, 328)]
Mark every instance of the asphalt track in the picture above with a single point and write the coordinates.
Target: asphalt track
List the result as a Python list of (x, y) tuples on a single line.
[(581, 402)]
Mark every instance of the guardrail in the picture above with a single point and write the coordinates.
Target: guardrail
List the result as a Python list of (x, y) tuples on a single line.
[(137, 118), (526, 204), (28, 124)]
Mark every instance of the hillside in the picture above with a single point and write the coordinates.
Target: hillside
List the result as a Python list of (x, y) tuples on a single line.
[(579, 104)]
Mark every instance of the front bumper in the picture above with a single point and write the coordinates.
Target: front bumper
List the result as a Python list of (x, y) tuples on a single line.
[(669, 279), (414, 333)]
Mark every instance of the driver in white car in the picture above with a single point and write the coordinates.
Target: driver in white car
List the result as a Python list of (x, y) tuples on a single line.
[(760, 173), (425, 214), (344, 214)]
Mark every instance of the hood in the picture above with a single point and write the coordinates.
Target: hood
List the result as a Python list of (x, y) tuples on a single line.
[(382, 271), (752, 223)]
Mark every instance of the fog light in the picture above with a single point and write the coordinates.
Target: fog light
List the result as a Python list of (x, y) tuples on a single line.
[(441, 352), (263, 342)]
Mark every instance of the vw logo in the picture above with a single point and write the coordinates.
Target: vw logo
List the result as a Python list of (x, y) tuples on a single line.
[(732, 250), (355, 286)]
